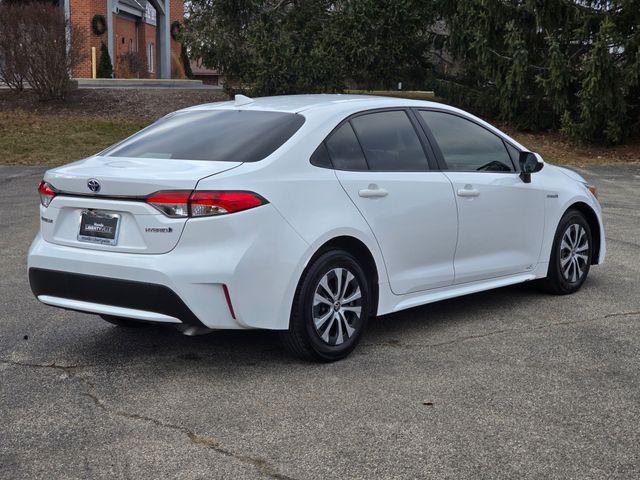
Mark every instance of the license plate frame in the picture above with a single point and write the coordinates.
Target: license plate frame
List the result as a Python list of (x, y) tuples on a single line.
[(99, 227)]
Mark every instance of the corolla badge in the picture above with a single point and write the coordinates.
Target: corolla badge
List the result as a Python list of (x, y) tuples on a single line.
[(93, 185)]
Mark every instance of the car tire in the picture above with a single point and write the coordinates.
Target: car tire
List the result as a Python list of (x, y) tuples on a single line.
[(331, 308), (571, 255), (124, 322)]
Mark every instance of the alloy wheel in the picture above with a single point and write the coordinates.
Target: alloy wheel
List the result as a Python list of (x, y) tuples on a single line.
[(337, 306), (574, 253)]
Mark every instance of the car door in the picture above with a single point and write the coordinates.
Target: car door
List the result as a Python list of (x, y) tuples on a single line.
[(380, 160), (500, 218)]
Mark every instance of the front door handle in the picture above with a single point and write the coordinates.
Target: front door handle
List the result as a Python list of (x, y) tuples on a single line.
[(373, 192), (468, 191)]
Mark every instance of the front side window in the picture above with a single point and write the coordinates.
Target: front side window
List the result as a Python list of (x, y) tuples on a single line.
[(466, 146), (390, 142), (514, 153), (344, 149), (217, 135)]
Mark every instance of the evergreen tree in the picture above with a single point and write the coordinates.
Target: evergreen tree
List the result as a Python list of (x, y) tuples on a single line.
[(536, 64), (602, 107), (280, 46), (104, 68), (384, 43), (267, 46), (186, 63), (569, 62)]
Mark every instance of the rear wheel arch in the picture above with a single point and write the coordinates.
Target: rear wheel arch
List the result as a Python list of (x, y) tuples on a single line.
[(361, 252), (594, 225)]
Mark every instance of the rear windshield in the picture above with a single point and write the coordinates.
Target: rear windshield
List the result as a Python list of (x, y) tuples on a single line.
[(219, 135)]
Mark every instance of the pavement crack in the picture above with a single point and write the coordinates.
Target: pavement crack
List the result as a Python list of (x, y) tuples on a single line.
[(262, 465), (622, 314), (211, 443), (64, 368), (396, 344), (440, 344)]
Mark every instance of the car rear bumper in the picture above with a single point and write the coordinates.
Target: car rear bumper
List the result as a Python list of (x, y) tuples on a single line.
[(237, 272), (110, 296)]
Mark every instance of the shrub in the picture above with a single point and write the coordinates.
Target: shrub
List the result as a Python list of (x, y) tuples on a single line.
[(105, 69), (132, 65)]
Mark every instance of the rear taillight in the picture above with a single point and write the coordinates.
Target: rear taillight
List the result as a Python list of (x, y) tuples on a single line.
[(46, 192), (205, 203), (172, 204), (180, 204)]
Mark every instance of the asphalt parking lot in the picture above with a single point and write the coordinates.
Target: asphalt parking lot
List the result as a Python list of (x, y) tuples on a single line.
[(510, 383)]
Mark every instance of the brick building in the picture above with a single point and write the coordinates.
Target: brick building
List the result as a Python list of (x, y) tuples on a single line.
[(138, 35)]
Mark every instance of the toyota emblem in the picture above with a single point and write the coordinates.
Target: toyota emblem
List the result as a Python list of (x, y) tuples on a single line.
[(93, 185)]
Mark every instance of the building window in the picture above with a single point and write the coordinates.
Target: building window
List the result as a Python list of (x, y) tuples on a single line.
[(150, 57)]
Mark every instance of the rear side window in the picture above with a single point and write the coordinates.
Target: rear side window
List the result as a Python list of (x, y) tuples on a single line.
[(466, 146), (344, 149), (219, 135), (320, 157), (390, 142)]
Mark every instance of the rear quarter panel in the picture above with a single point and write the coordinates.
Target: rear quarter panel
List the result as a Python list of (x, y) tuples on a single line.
[(309, 198)]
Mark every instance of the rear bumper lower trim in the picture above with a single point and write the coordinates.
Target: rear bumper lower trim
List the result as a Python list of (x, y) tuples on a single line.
[(96, 294), (106, 309)]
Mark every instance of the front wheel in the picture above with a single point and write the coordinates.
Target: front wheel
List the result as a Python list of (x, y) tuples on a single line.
[(571, 255), (331, 308)]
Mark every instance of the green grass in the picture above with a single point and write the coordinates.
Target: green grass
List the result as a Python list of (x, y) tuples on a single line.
[(51, 139)]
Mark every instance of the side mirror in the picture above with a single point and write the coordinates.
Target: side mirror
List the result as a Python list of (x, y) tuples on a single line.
[(529, 164)]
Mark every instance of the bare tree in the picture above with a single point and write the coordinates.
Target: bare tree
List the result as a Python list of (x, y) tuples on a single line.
[(52, 53), (13, 62), (39, 50)]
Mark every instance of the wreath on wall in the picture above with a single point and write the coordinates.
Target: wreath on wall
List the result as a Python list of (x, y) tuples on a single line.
[(176, 30), (98, 24)]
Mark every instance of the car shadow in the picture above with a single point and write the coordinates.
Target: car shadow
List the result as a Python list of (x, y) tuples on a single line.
[(116, 345), (452, 311)]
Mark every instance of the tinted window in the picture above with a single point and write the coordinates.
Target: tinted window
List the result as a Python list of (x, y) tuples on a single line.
[(345, 150), (389, 141), (221, 135), (514, 153), (467, 146), (320, 157)]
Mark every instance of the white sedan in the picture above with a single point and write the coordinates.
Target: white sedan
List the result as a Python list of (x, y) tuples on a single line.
[(307, 214)]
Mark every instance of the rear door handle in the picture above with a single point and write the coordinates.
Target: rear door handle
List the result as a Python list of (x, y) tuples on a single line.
[(468, 191), (373, 192)]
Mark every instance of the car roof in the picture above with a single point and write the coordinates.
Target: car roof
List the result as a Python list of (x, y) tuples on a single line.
[(338, 104), (301, 103)]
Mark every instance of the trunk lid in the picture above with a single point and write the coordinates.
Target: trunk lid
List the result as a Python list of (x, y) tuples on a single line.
[(123, 185), (132, 177)]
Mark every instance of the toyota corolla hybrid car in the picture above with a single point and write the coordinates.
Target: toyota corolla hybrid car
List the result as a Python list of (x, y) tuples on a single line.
[(307, 214)]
